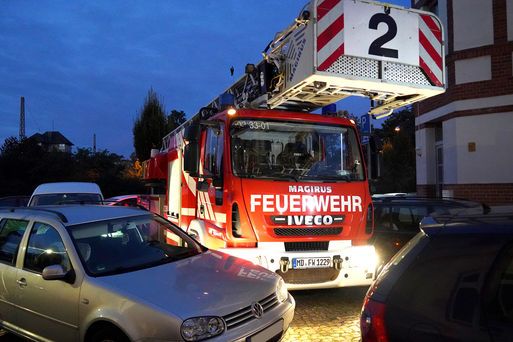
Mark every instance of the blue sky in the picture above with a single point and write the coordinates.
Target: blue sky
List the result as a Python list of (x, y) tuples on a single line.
[(85, 67)]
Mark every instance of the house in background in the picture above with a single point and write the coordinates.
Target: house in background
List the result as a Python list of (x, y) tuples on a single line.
[(52, 141), (464, 137)]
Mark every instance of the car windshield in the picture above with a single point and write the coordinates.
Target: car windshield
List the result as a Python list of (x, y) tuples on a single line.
[(130, 243), (67, 198), (289, 151)]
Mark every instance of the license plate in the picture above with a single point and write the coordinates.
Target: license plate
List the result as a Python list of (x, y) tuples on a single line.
[(324, 262), (268, 333)]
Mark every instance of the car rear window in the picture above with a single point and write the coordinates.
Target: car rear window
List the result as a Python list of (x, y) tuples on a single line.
[(400, 218), (450, 269), (395, 268), (73, 198)]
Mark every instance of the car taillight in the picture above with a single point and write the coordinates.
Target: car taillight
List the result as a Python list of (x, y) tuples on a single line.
[(372, 321)]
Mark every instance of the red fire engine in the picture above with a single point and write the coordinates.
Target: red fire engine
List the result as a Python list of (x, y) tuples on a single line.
[(255, 175)]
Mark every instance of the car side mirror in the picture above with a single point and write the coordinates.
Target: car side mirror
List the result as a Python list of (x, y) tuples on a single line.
[(54, 272)]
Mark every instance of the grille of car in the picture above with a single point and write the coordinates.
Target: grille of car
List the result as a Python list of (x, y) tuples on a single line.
[(307, 246), (308, 231), (309, 276), (244, 315)]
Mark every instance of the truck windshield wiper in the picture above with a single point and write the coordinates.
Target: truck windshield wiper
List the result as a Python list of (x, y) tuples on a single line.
[(277, 176), (282, 176), (328, 178)]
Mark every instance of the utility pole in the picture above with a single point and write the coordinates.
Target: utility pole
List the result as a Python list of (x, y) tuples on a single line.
[(94, 143), (22, 118)]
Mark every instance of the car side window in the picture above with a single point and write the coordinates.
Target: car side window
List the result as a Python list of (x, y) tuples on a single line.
[(382, 217), (418, 213), (45, 248), (500, 294), (441, 208), (11, 232), (407, 218), (505, 293)]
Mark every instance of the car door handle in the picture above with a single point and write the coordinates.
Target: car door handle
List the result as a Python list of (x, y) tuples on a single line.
[(22, 282)]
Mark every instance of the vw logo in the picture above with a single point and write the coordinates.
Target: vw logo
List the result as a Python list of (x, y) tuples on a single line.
[(257, 310)]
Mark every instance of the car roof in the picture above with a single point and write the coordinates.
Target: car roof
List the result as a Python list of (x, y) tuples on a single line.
[(390, 194), (76, 214), (476, 220), (67, 187), (411, 199)]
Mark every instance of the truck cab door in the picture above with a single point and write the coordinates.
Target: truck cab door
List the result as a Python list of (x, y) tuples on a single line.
[(211, 201), (174, 188)]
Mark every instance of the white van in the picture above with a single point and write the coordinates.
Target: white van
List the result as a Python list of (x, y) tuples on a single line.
[(66, 193)]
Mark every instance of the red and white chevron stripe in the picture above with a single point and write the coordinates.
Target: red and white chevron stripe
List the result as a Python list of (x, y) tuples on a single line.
[(330, 32), (430, 54)]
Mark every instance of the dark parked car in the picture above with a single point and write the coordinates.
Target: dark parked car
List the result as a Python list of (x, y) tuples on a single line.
[(452, 282), (397, 218), (14, 201)]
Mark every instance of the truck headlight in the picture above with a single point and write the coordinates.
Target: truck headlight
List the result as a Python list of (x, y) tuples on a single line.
[(200, 328), (364, 256), (281, 291)]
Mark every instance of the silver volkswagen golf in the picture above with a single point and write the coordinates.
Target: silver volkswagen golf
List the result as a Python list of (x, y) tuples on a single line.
[(103, 273)]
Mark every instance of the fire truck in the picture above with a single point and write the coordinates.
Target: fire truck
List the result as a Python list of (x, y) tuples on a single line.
[(255, 174)]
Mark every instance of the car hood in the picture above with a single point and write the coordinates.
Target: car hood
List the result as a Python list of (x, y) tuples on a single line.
[(211, 283)]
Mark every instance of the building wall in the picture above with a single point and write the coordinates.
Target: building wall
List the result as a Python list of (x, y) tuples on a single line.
[(476, 149), (472, 23), (425, 156), (476, 112)]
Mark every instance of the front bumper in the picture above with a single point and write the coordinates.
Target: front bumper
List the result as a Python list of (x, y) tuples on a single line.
[(350, 265)]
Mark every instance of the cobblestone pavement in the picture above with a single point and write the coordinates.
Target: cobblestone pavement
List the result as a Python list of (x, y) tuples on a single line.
[(330, 315)]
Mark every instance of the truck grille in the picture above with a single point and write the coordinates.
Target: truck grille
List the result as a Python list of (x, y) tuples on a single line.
[(308, 231), (307, 246), (309, 276), (244, 315)]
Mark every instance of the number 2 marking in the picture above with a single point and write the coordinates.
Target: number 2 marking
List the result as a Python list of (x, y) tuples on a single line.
[(376, 48)]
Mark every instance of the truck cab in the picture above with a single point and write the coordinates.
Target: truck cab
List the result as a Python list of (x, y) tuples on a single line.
[(285, 190)]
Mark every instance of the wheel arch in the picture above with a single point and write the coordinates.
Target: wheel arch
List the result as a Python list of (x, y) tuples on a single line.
[(102, 324)]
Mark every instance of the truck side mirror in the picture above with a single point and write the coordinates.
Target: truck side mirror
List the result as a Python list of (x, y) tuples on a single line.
[(191, 156), (192, 132), (202, 186), (217, 182)]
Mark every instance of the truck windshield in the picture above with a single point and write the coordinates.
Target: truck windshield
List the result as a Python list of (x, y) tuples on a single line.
[(284, 150)]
